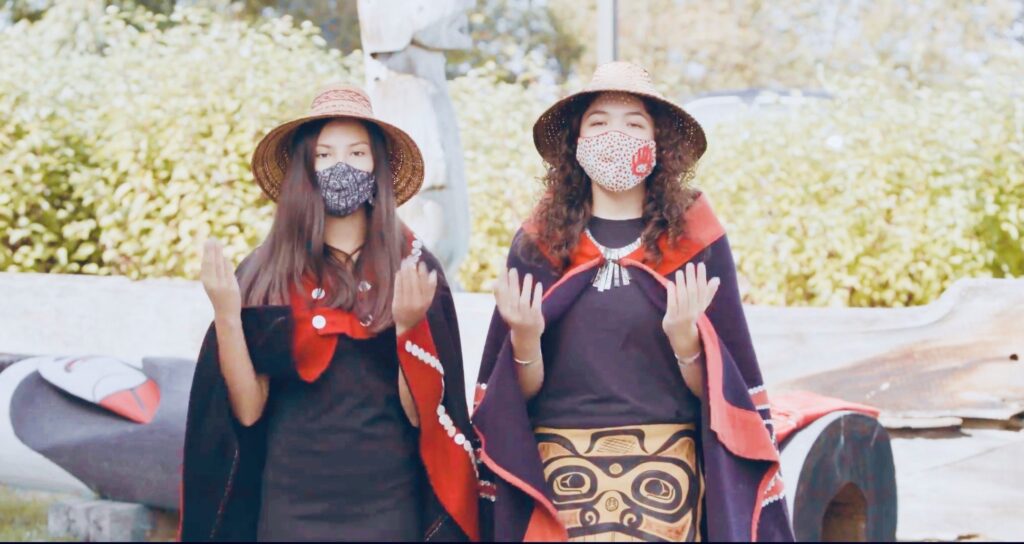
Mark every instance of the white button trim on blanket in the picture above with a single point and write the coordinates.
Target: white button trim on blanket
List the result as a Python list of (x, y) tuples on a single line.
[(424, 355)]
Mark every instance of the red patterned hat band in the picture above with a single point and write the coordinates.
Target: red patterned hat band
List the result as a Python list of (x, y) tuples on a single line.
[(350, 100)]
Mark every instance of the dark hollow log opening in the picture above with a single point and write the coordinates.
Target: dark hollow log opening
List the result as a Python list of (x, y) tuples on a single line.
[(846, 517)]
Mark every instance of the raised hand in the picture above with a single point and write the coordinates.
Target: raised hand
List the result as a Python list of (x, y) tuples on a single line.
[(218, 279), (520, 307), (687, 299), (414, 292)]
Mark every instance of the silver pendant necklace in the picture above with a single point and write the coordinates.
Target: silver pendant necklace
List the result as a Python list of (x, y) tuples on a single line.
[(612, 274)]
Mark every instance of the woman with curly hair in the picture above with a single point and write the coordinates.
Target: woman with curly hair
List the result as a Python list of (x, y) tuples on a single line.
[(619, 395)]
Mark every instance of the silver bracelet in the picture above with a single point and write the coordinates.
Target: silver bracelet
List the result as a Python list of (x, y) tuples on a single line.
[(525, 363), (689, 360)]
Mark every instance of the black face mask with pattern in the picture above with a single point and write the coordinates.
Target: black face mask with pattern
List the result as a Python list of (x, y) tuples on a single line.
[(345, 188)]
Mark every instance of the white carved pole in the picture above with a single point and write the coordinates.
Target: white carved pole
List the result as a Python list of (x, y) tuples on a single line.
[(404, 43)]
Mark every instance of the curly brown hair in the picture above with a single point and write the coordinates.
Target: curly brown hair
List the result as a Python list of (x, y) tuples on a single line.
[(565, 209)]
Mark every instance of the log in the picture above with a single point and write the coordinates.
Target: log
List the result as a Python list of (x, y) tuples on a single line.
[(958, 357), (54, 441), (841, 480)]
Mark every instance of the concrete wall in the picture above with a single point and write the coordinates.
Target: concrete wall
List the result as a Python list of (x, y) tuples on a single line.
[(75, 314), (91, 315)]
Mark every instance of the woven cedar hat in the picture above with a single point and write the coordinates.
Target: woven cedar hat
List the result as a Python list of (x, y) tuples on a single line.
[(270, 160), (618, 76)]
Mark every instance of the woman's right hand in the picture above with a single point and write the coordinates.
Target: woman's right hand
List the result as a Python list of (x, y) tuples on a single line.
[(520, 307), (219, 281)]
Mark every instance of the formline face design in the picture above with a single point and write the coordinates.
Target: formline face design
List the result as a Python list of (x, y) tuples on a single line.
[(625, 483)]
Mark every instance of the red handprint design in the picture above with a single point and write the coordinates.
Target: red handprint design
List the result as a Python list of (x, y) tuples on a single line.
[(642, 161)]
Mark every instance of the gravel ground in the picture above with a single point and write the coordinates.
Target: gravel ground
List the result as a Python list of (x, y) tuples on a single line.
[(23, 514)]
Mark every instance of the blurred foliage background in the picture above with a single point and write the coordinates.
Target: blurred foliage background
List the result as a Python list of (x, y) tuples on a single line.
[(126, 129)]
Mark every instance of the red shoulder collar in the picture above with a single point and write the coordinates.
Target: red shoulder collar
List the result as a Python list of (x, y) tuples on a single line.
[(702, 230), (317, 327)]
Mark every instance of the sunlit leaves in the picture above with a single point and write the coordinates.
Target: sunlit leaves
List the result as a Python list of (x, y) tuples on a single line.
[(125, 142), (882, 197)]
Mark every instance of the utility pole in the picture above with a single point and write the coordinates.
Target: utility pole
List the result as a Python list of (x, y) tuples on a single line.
[(607, 31)]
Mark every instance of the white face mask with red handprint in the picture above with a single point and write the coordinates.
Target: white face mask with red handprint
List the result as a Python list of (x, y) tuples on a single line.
[(615, 160)]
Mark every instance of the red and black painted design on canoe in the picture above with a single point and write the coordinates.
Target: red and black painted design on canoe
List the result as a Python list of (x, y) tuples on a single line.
[(66, 441), (138, 404), (108, 382)]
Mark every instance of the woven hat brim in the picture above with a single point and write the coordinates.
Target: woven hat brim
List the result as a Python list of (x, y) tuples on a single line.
[(548, 126), (270, 160)]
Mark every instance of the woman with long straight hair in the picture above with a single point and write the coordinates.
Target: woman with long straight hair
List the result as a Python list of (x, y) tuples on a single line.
[(327, 402), (619, 395)]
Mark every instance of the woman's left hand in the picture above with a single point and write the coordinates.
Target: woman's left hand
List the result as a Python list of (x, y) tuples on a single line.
[(687, 298), (414, 291)]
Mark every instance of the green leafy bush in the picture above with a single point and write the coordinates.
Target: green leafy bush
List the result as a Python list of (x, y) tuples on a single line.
[(502, 167), (125, 140), (881, 197)]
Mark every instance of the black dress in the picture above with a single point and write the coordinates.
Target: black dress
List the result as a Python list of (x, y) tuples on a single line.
[(342, 459)]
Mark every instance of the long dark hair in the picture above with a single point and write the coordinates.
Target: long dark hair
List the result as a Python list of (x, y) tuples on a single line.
[(295, 246), (565, 208)]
